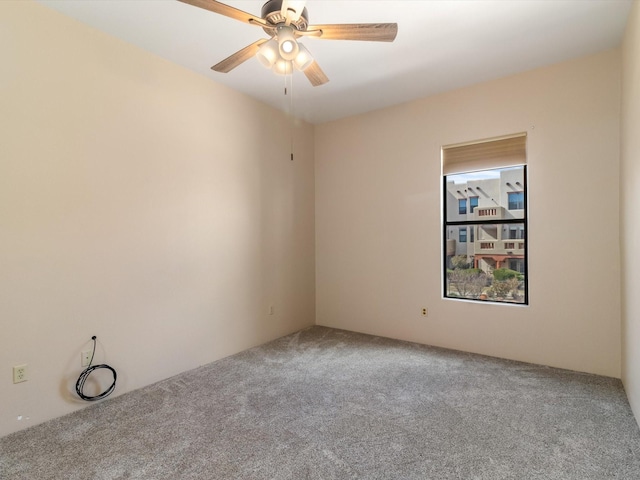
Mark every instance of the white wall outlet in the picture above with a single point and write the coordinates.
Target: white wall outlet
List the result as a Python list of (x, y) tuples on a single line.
[(425, 311), (85, 358), (20, 373), (271, 310)]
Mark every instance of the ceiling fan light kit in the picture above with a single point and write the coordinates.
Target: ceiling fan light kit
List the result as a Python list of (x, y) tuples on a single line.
[(270, 57), (285, 21)]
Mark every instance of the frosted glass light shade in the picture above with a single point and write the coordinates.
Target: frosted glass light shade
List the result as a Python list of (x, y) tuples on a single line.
[(268, 53), (288, 46), (303, 59), (282, 67)]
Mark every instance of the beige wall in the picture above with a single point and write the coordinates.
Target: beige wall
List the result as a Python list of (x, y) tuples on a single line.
[(629, 200), (378, 210), (141, 203)]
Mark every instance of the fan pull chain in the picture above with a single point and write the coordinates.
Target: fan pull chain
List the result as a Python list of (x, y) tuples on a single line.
[(291, 114), (289, 91)]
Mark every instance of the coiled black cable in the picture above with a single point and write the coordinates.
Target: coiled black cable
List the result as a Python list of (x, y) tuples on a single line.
[(88, 371)]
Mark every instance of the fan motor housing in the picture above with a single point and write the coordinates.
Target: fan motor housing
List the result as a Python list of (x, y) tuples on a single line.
[(271, 12)]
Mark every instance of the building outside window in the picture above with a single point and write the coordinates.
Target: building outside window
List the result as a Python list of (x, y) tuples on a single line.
[(492, 176)]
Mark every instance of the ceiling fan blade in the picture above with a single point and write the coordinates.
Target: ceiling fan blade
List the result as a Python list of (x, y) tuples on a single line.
[(315, 74), (226, 10), (291, 10), (232, 61), (373, 32)]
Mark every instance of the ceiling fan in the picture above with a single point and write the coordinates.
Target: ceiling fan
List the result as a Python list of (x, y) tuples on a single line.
[(285, 21)]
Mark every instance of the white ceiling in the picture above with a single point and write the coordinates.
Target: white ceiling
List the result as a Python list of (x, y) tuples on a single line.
[(441, 44)]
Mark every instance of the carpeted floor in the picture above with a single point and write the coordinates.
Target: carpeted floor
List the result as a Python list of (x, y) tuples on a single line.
[(329, 404)]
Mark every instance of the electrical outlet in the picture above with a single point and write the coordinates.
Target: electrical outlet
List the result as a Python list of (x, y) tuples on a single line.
[(85, 358), (20, 373), (271, 310), (424, 311)]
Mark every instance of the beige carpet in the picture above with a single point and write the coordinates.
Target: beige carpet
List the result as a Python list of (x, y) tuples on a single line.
[(329, 404)]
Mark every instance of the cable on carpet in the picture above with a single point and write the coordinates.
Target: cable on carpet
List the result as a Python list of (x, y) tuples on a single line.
[(88, 371)]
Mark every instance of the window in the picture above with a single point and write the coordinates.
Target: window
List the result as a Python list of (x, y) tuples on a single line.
[(494, 267), (462, 206), (516, 232), (516, 200), (516, 265), (473, 203)]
